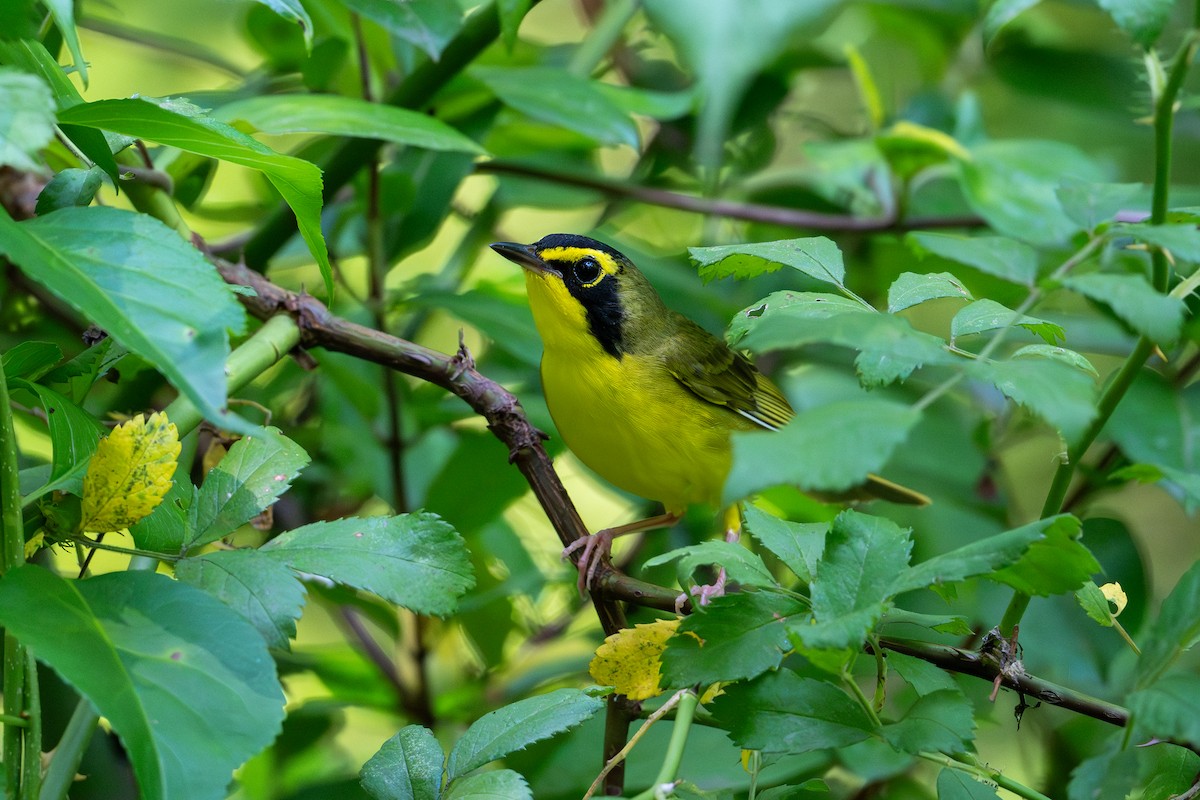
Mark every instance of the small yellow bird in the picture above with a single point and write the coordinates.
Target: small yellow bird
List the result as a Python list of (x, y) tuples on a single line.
[(641, 394)]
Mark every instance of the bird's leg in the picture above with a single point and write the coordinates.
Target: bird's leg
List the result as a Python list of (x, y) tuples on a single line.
[(598, 546), (705, 593)]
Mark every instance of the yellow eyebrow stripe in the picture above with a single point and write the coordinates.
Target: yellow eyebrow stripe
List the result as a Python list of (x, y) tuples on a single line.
[(572, 254)]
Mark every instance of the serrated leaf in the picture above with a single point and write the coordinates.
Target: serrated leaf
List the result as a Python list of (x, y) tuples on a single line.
[(954, 785), (1168, 708), (266, 593), (741, 565), (817, 257), (30, 360), (293, 11), (941, 722), (1142, 20), (346, 116), (251, 477), (427, 24), (780, 712), (414, 560), (518, 725), (1060, 354), (407, 767), (851, 589), (977, 558), (141, 648), (1153, 314), (1177, 628), (1090, 204), (1061, 395), (737, 637), (188, 128), (135, 278), (129, 473), (911, 289), (1056, 564), (922, 676), (1094, 603), (75, 378), (630, 660), (501, 784), (166, 529), (998, 256), (555, 96), (797, 544), (988, 315), (26, 119), (830, 448)]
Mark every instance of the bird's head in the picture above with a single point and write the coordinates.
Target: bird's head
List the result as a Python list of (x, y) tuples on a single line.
[(581, 286)]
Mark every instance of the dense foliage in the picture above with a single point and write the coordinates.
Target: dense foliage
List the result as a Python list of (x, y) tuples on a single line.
[(963, 241)]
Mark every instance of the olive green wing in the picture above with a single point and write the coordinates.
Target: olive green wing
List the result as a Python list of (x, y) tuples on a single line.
[(712, 371)]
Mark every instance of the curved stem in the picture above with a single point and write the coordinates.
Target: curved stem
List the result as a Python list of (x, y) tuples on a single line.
[(972, 766)]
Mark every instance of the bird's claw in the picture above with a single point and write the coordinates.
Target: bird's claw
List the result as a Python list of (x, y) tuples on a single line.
[(596, 549)]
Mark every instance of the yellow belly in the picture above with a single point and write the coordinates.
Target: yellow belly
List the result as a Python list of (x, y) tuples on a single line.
[(631, 422)]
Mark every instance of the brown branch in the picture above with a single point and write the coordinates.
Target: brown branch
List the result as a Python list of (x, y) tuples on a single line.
[(753, 212)]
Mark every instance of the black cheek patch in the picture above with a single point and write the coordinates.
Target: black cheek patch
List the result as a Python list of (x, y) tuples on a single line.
[(605, 316)]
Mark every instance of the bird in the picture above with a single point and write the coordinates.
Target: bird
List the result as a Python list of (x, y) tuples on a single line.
[(642, 395)]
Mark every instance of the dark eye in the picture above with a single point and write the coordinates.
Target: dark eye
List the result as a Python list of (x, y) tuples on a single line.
[(586, 270)]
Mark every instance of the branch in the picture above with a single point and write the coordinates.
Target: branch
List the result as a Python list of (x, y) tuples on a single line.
[(753, 212)]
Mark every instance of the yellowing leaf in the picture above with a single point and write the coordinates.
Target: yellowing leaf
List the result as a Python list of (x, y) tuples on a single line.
[(1114, 594), (631, 659), (35, 543), (130, 473)]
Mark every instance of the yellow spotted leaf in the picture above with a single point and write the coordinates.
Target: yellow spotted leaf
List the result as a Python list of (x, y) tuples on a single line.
[(1114, 594), (631, 659), (130, 473)]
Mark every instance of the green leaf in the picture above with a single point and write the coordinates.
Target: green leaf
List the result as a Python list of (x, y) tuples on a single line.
[(426, 24), (167, 528), (742, 565), (942, 623), (1168, 708), (518, 725), (414, 560), (75, 378), (911, 289), (726, 47), (817, 257), (407, 767), (977, 558), (186, 127), (1094, 603), (26, 119), (830, 448), (511, 12), (797, 544), (266, 593), (1091, 204), (63, 12), (1150, 313), (1177, 628), (649, 103), (142, 648), (941, 722), (1056, 564), (1061, 395), (1159, 424), (1012, 183), (988, 315), (136, 279), (852, 586), (30, 360), (557, 97), (1000, 13), (70, 187), (345, 116), (501, 784), (1056, 353), (736, 637), (1111, 775), (74, 434), (998, 256), (1142, 20), (1182, 240), (922, 676), (253, 474), (954, 785), (293, 11), (780, 712)]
